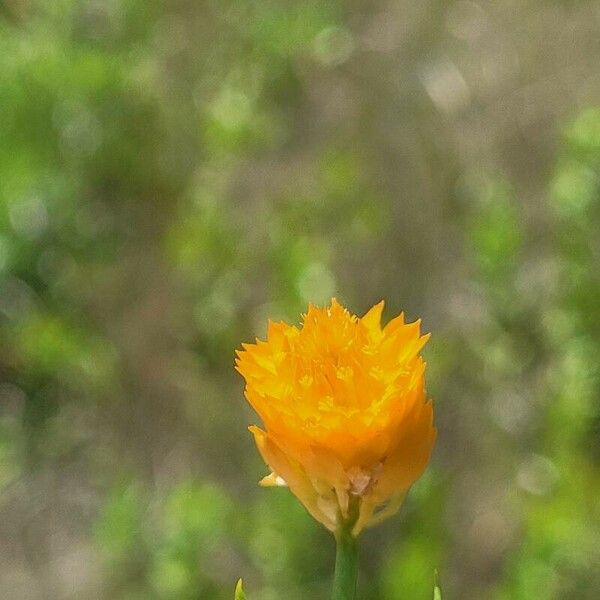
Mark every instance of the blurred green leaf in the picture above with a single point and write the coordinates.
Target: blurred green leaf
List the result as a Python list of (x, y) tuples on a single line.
[(173, 174), (584, 134), (119, 526), (496, 233)]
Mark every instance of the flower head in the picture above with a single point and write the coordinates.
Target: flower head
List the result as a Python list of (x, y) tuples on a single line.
[(346, 419)]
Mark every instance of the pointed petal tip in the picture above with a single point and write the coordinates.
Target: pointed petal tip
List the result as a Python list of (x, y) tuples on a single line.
[(372, 318), (377, 308)]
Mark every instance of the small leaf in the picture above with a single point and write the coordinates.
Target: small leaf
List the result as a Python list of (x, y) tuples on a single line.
[(239, 591), (437, 593)]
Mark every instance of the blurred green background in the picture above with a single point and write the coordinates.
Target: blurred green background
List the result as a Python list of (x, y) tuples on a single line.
[(173, 173)]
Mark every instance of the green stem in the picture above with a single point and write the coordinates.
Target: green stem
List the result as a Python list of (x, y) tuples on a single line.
[(346, 568), (346, 557)]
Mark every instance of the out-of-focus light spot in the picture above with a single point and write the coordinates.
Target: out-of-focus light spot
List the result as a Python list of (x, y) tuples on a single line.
[(214, 316), (215, 313), (79, 128), (316, 283), (574, 189), (28, 216), (466, 21), (333, 46), (537, 475), (232, 109), (499, 358), (98, 364), (511, 411), (446, 86), (578, 379)]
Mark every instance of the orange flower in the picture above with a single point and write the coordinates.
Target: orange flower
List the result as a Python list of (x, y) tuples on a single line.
[(346, 419)]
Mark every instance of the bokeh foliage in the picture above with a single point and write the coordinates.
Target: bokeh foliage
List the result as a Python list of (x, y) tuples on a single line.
[(174, 173)]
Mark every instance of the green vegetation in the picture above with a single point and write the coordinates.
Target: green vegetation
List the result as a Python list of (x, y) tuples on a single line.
[(173, 174)]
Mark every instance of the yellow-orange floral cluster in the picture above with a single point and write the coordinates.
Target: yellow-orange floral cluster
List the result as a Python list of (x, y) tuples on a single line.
[(346, 418)]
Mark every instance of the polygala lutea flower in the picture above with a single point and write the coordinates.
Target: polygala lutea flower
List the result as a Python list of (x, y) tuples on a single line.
[(346, 418)]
